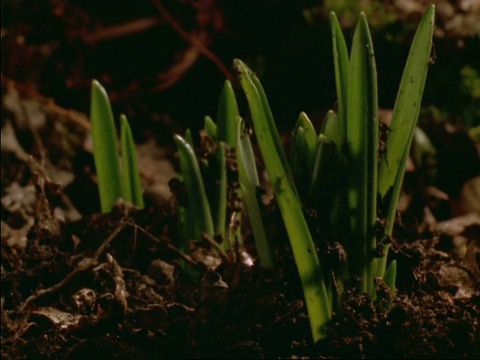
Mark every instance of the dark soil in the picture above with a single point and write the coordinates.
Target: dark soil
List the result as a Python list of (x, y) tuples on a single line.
[(114, 286), (77, 284), (110, 285)]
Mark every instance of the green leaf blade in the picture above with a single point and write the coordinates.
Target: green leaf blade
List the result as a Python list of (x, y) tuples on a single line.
[(198, 204), (332, 129), (303, 152), (105, 150), (403, 123), (132, 187), (270, 124), (227, 114), (210, 127), (341, 65), (407, 103), (304, 143), (248, 177), (362, 134), (308, 265)]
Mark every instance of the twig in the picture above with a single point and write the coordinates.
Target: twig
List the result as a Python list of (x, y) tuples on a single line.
[(120, 30), (112, 236), (83, 265), (193, 40), (120, 293), (49, 290), (176, 71), (185, 257)]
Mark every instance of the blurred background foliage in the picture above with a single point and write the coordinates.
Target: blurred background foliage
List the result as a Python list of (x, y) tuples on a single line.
[(161, 79)]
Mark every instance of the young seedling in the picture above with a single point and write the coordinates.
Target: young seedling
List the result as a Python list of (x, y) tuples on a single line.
[(302, 153), (205, 180), (306, 259), (198, 207), (343, 169), (210, 194), (112, 185), (249, 184), (132, 187)]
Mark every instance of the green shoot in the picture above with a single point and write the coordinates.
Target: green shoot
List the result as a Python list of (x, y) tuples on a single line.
[(105, 150), (226, 115), (303, 152), (111, 184), (227, 138), (362, 137), (306, 259), (132, 188), (341, 65), (205, 177), (404, 120), (249, 183), (198, 205), (210, 128)]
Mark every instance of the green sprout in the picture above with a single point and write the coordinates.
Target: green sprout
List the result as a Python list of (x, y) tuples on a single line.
[(303, 247), (205, 179), (208, 210), (249, 184), (198, 207), (345, 174), (112, 182)]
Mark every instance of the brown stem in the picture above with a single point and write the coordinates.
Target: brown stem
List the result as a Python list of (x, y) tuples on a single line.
[(193, 40), (121, 30), (83, 265)]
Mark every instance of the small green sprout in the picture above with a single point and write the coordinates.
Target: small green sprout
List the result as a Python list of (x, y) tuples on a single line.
[(213, 205), (205, 179), (303, 152), (132, 187), (249, 184), (111, 184), (198, 206)]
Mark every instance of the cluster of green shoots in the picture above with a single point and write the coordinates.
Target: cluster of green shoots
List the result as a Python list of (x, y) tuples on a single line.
[(115, 180), (340, 175)]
